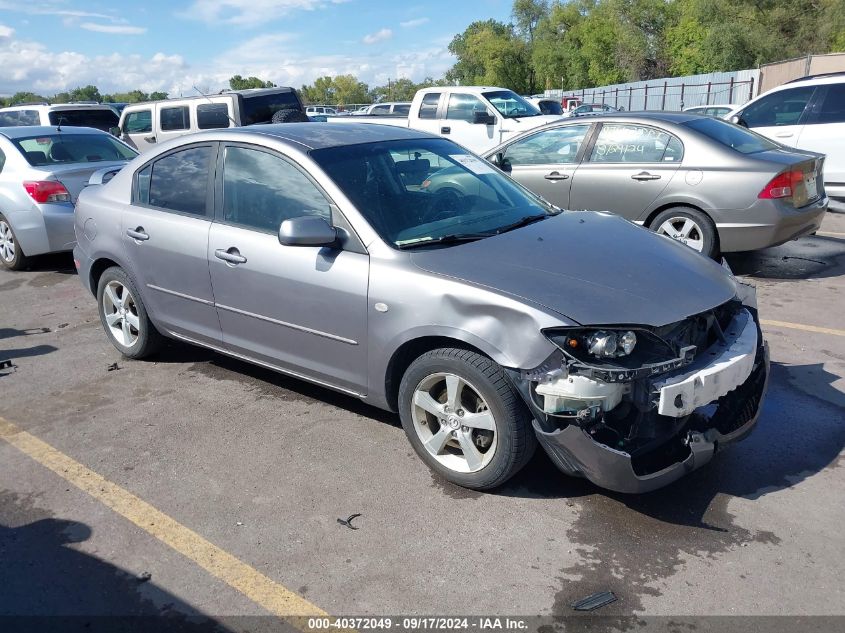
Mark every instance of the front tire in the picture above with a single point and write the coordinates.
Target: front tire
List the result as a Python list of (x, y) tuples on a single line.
[(689, 226), (464, 418), (124, 316), (11, 254)]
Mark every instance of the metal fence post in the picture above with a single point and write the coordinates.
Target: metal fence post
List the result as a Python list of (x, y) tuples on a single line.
[(731, 98), (616, 99), (709, 83), (645, 99), (663, 104), (630, 94), (751, 89), (683, 85)]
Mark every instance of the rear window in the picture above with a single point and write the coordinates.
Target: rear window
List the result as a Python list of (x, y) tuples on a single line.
[(54, 149), (176, 118), (100, 119), (261, 108), (212, 115), (733, 136)]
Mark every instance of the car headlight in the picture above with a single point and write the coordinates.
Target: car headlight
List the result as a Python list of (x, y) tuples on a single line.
[(619, 353)]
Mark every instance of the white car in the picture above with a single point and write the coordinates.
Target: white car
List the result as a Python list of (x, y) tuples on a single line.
[(317, 110), (807, 113), (96, 115), (721, 111)]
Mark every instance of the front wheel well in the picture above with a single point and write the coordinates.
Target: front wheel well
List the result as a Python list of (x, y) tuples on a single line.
[(407, 353)]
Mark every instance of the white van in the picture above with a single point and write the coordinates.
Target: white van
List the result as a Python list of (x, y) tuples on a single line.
[(96, 115), (145, 124)]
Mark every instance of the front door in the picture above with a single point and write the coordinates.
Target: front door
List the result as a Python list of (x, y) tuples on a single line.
[(458, 125), (165, 236), (302, 309), (779, 115), (545, 162), (629, 165), (138, 128)]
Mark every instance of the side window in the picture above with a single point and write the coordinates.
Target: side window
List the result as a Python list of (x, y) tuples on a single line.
[(549, 147), (179, 181), (380, 110), (139, 122), (174, 119), (261, 190), (783, 107), (403, 108), (212, 115), (833, 108), (461, 107), (29, 117), (428, 107), (143, 185), (620, 143)]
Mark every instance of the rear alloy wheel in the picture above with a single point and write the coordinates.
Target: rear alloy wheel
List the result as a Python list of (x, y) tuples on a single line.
[(11, 255), (688, 226), (464, 418), (124, 317)]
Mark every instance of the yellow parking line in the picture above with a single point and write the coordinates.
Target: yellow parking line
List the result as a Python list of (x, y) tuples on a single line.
[(806, 328), (249, 581)]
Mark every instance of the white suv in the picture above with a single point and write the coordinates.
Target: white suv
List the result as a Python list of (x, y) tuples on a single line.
[(807, 113), (96, 115)]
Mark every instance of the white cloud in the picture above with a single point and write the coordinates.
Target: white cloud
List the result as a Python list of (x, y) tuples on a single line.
[(51, 8), (378, 36), (410, 24), (115, 29), (249, 12), (6, 31)]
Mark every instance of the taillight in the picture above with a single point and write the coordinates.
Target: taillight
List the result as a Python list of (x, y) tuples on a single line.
[(46, 191), (782, 186)]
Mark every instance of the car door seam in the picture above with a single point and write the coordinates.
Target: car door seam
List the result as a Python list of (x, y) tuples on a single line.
[(293, 326)]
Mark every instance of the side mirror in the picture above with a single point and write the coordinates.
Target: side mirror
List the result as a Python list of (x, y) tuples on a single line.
[(483, 117), (737, 118), (116, 131), (502, 163), (307, 230)]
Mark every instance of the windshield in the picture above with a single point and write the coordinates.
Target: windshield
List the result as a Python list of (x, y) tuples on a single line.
[(423, 190), (62, 148), (510, 105), (736, 137), (100, 119), (261, 108)]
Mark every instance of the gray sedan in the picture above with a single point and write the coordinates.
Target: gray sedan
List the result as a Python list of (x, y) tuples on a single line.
[(708, 183), (42, 171), (489, 323)]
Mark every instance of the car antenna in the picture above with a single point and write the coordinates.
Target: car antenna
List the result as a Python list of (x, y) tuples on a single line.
[(202, 94)]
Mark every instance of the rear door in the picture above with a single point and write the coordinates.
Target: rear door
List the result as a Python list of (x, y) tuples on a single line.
[(172, 121), (824, 131), (428, 118), (627, 167), (165, 236), (779, 115), (546, 161)]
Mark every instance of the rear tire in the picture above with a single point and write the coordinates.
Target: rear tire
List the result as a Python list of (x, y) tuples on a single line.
[(689, 226), (484, 436), (124, 316), (11, 254)]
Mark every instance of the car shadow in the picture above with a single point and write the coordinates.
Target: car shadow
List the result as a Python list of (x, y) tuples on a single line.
[(814, 257), (51, 585), (54, 262)]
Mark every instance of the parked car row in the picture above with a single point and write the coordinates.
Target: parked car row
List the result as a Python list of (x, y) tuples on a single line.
[(490, 321)]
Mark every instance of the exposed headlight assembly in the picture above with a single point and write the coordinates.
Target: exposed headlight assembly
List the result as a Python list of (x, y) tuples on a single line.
[(617, 354)]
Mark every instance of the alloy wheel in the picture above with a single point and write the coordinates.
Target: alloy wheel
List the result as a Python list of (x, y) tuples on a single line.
[(121, 313), (454, 422), (7, 242), (684, 230)]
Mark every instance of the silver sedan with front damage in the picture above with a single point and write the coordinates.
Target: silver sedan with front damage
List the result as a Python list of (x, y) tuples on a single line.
[(489, 324)]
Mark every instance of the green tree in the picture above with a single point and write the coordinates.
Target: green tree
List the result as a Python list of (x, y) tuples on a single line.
[(25, 97), (242, 83), (490, 53)]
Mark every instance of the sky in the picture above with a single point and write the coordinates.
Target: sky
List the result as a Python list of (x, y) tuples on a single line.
[(48, 46)]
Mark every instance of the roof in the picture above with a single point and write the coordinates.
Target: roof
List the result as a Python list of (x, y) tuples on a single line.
[(58, 106), (28, 131), (672, 117), (315, 135)]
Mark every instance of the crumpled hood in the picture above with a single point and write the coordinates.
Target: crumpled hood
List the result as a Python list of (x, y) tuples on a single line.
[(594, 268)]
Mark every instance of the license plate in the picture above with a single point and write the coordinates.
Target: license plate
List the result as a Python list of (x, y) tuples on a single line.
[(812, 190)]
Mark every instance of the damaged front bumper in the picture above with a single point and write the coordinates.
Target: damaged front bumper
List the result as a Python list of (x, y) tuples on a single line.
[(711, 402)]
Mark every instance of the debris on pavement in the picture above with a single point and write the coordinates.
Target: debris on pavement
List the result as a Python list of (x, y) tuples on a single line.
[(348, 521), (7, 364), (113, 367), (595, 601), (144, 576)]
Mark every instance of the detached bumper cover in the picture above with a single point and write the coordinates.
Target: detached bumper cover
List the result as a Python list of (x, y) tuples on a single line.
[(734, 375)]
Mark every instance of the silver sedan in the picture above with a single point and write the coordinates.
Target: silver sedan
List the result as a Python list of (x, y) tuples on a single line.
[(489, 325), (42, 171), (713, 185)]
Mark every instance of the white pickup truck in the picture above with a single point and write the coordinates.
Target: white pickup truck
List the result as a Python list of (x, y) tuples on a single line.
[(479, 118)]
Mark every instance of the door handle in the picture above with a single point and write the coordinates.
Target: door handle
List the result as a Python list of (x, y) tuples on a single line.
[(445, 130), (644, 175), (556, 175), (138, 234), (150, 139), (231, 256), (784, 135)]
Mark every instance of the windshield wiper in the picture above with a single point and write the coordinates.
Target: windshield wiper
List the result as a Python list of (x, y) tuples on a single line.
[(454, 238), (528, 219)]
